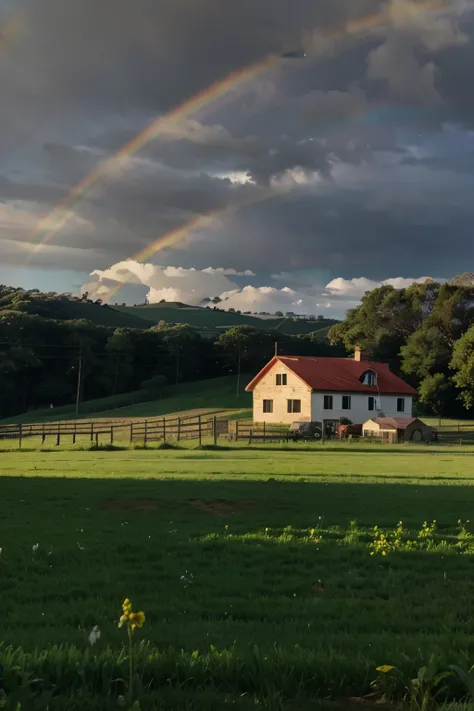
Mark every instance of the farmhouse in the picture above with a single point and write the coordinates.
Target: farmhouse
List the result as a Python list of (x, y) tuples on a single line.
[(293, 388), (397, 429)]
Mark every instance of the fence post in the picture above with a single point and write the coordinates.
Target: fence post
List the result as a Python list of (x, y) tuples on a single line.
[(145, 436), (131, 432), (214, 427), (20, 434), (250, 436), (92, 431), (264, 432), (111, 434), (43, 436), (236, 430), (179, 428), (164, 429), (58, 436), (200, 430), (97, 439)]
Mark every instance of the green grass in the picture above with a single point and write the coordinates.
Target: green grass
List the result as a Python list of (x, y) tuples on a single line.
[(219, 393), (213, 322), (245, 624)]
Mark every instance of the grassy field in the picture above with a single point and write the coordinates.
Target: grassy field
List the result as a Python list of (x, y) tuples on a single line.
[(213, 322), (218, 393), (257, 588)]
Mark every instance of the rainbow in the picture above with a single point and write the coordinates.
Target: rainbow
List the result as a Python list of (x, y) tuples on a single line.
[(63, 212), (196, 222), (66, 209)]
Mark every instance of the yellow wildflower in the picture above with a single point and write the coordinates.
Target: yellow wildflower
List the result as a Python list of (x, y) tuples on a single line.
[(137, 619), (133, 619), (385, 668)]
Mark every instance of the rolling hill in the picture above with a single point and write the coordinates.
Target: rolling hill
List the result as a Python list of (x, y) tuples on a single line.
[(212, 322), (215, 393), (209, 321)]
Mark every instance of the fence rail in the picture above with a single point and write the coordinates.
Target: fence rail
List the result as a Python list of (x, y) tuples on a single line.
[(162, 429), (152, 430)]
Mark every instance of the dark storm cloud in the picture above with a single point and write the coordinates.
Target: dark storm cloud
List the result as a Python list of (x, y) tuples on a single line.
[(358, 128)]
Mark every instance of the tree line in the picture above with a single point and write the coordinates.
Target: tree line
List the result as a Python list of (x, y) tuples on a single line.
[(41, 355), (426, 334)]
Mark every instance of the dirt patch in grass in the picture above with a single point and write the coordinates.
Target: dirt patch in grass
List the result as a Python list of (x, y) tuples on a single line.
[(137, 505), (220, 507)]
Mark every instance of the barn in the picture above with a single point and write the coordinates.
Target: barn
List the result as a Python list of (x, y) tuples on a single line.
[(397, 429)]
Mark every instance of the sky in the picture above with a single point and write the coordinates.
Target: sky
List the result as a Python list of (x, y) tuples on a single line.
[(277, 183)]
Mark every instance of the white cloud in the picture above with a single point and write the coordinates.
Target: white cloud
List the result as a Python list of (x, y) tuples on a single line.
[(192, 286), (270, 299), (228, 272), (357, 287)]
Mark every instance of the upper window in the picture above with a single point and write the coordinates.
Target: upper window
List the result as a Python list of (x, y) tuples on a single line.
[(281, 379), (400, 404), (369, 378), (346, 402), (328, 402)]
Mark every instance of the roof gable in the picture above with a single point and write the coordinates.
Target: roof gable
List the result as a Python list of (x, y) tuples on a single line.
[(395, 423), (339, 375)]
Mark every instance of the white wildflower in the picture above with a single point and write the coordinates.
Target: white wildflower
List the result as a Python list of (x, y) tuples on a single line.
[(35, 547), (94, 635)]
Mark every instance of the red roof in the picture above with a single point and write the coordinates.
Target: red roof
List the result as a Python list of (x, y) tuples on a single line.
[(396, 423), (339, 375)]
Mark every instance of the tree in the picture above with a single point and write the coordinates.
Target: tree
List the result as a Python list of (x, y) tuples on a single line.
[(246, 346), (433, 392), (181, 339), (463, 365), (119, 367), (427, 350)]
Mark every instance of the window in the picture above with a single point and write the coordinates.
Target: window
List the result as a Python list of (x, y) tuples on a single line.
[(294, 405), (371, 403), (268, 405), (400, 404), (369, 378), (281, 379), (328, 402), (346, 402)]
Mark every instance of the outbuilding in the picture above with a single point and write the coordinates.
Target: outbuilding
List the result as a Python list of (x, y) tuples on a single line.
[(397, 429)]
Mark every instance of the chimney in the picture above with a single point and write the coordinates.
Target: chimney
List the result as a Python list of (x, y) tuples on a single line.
[(358, 354)]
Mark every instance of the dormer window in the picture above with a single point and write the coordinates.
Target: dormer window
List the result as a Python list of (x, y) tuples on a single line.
[(369, 378)]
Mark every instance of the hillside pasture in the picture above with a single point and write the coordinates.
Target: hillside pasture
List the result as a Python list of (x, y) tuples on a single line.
[(254, 569), (213, 322), (215, 394)]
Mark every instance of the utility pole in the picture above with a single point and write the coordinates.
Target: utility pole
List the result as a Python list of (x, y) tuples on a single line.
[(276, 348), (79, 382), (238, 370)]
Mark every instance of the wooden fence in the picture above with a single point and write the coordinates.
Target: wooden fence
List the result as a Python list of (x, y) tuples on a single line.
[(461, 433), (151, 430), (162, 429), (259, 433)]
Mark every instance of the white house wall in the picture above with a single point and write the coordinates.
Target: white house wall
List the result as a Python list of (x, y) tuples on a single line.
[(295, 389), (359, 412)]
